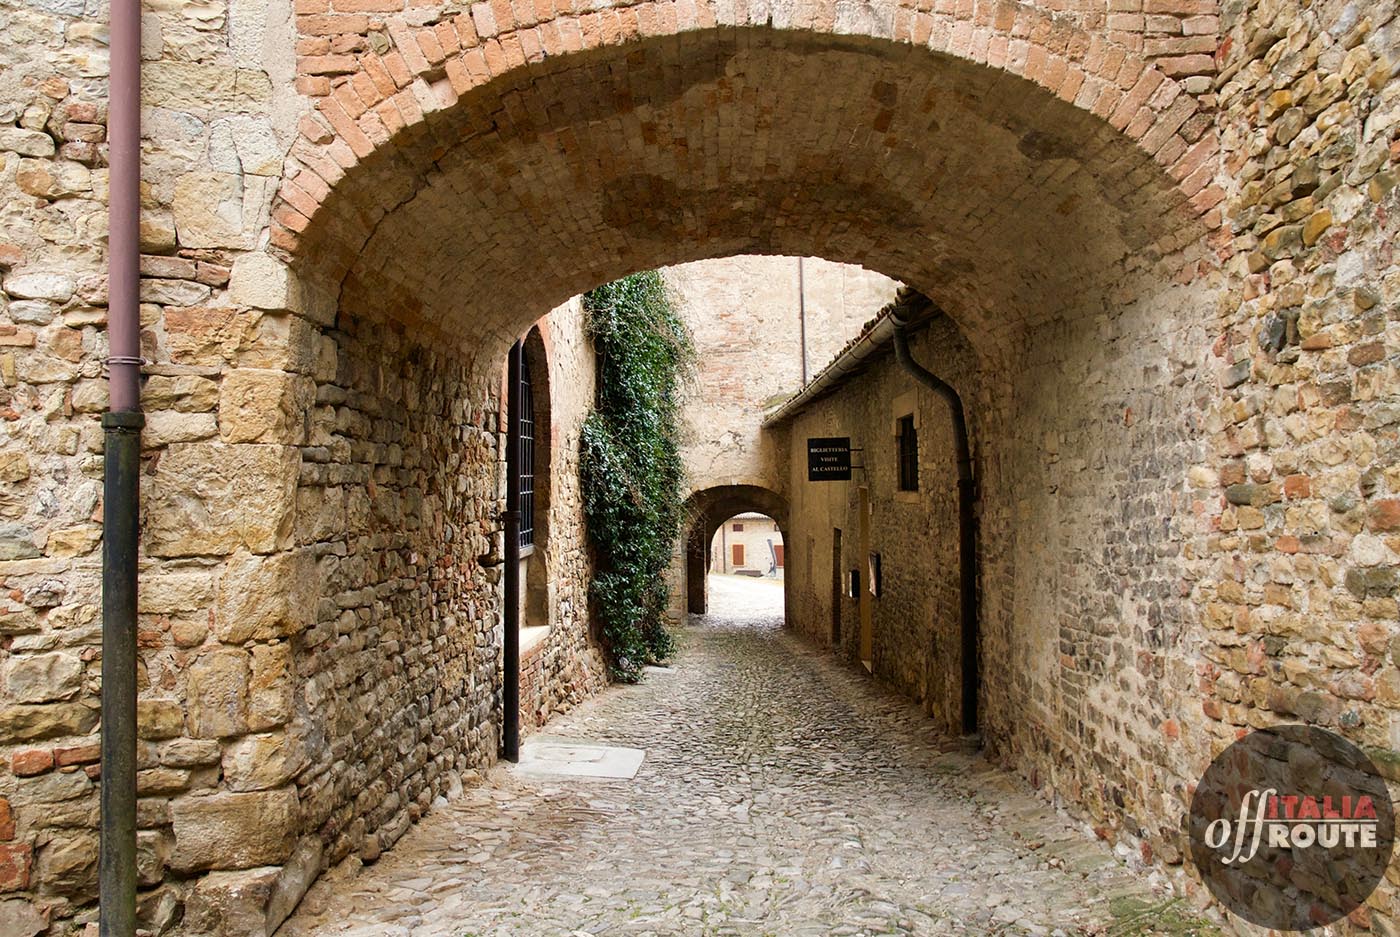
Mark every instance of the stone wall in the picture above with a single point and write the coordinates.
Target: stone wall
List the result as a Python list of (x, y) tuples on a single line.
[(566, 665), (1187, 515), (915, 624)]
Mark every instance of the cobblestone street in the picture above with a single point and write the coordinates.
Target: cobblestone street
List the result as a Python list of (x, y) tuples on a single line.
[(782, 793)]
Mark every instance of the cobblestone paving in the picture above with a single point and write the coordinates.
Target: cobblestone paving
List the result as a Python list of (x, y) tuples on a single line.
[(782, 793)]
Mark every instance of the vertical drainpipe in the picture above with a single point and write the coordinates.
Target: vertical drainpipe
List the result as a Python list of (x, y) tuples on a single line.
[(967, 518), (802, 315), (510, 691), (121, 474)]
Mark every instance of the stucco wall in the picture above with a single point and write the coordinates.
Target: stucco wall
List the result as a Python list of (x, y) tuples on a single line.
[(755, 536), (744, 315)]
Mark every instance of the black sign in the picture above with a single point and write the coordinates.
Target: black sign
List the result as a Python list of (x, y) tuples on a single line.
[(829, 459)]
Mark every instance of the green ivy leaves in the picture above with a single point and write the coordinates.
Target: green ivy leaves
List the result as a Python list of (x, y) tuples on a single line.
[(630, 464)]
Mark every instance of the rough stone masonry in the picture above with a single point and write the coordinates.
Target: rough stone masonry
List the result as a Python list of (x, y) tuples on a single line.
[(1163, 228)]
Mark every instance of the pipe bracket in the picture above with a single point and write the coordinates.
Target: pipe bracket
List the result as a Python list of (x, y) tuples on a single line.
[(123, 420)]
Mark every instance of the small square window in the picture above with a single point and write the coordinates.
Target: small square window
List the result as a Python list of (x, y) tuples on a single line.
[(738, 527), (908, 454)]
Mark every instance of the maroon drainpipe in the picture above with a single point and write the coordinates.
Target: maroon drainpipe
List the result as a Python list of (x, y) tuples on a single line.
[(124, 214), (121, 473)]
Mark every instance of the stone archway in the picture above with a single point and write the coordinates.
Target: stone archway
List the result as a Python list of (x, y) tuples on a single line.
[(1034, 188), (1030, 186), (1073, 162), (706, 510)]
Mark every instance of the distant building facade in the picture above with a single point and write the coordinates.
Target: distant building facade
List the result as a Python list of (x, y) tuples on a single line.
[(748, 544)]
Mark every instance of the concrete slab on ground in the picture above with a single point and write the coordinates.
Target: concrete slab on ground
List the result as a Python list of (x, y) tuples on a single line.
[(550, 757)]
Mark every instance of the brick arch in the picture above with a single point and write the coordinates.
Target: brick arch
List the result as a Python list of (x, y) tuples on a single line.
[(412, 180)]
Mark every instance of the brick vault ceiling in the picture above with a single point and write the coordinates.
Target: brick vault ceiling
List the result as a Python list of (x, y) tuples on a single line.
[(1004, 203)]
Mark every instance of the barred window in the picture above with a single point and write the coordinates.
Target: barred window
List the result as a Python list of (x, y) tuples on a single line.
[(527, 455), (908, 454)]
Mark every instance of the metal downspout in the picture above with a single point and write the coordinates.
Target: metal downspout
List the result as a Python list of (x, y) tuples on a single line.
[(510, 695), (802, 315), (121, 476), (967, 518)]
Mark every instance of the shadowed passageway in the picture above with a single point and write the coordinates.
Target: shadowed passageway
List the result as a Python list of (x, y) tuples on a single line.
[(782, 793)]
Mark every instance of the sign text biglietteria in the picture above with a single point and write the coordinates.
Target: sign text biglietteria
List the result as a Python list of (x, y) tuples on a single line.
[(829, 459)]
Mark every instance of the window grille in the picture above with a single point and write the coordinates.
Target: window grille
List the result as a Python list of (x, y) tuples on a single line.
[(527, 455), (908, 454)]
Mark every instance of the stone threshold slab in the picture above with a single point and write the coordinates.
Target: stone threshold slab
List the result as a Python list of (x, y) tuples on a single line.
[(577, 758)]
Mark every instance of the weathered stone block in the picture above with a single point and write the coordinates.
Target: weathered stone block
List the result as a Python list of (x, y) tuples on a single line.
[(16, 862), (14, 467), (19, 918), (231, 904), (176, 590), (233, 830), (281, 342), (217, 693), (33, 312), (73, 541), (262, 762), (190, 753), (173, 292), (258, 405), (195, 86), (270, 688), (199, 335), (167, 426), (57, 287), (26, 723), (42, 678), (159, 718), (211, 210), (54, 788), (26, 142), (17, 542), (262, 597), (157, 233), (68, 864), (208, 498), (263, 282), (152, 856), (186, 393)]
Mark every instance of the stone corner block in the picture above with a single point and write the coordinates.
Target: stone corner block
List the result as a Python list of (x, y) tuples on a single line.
[(208, 498), (265, 597), (232, 904), (261, 281), (231, 831), (264, 406)]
